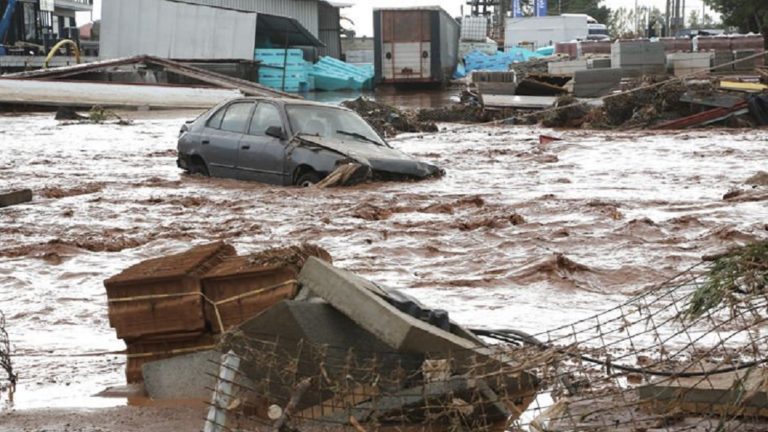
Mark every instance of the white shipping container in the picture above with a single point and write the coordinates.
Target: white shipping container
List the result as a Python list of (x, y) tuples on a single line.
[(539, 32)]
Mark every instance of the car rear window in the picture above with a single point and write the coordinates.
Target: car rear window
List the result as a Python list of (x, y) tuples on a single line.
[(215, 120), (237, 117)]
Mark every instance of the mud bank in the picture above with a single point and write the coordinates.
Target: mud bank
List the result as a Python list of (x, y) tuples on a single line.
[(516, 235)]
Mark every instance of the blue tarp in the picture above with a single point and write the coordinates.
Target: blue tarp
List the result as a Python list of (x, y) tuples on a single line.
[(546, 51), (477, 60)]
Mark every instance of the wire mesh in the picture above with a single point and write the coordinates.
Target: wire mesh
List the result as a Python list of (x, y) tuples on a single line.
[(8, 377), (644, 365)]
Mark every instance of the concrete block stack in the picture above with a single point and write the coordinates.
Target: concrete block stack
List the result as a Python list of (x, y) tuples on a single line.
[(594, 47), (599, 63), (639, 57), (181, 303), (156, 306), (570, 49), (568, 67), (596, 82), (743, 61), (722, 61), (673, 44), (683, 64)]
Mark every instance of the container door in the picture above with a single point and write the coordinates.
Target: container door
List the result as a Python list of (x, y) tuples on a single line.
[(406, 45)]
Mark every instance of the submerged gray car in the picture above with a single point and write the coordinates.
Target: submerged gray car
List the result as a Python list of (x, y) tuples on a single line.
[(290, 142)]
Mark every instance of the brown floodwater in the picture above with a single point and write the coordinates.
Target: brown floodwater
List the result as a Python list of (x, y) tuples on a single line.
[(517, 235)]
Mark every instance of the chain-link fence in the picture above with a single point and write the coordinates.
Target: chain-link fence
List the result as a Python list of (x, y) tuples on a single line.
[(659, 361), (7, 375)]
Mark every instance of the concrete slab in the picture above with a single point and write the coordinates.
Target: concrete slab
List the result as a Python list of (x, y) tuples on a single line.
[(398, 330), (9, 198), (721, 393), (185, 377)]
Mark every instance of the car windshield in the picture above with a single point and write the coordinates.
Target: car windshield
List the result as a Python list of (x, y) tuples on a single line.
[(329, 122)]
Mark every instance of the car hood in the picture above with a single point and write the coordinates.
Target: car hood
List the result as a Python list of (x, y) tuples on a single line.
[(378, 157)]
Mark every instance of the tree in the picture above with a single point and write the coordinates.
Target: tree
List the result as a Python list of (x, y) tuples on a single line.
[(693, 20), (747, 15), (621, 23), (592, 8)]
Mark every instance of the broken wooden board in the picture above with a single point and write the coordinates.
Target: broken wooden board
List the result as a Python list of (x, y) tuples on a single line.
[(743, 86), (740, 393), (8, 199)]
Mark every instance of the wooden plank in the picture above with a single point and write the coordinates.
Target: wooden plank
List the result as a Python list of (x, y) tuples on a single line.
[(8, 199), (743, 86), (502, 101)]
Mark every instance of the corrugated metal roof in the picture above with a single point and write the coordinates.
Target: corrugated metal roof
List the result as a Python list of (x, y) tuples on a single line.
[(304, 11)]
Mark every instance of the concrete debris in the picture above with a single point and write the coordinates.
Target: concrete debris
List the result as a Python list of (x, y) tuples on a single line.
[(347, 314), (571, 115), (388, 120), (10, 198), (184, 377)]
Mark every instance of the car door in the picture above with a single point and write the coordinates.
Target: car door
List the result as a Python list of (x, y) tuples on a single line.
[(262, 157), (220, 142)]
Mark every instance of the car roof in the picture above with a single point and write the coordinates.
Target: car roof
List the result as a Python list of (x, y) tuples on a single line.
[(286, 101)]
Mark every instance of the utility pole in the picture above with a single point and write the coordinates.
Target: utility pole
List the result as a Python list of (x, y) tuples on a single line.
[(682, 21), (666, 20), (637, 29)]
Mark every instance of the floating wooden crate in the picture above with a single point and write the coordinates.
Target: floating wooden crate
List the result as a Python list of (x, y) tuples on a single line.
[(162, 296), (242, 289), (145, 350)]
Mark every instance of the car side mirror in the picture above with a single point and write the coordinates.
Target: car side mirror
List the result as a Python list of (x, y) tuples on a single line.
[(276, 132)]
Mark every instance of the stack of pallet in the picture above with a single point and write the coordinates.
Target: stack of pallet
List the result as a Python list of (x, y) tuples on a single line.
[(180, 303)]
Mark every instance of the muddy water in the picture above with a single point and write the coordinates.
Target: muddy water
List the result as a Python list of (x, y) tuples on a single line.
[(517, 235)]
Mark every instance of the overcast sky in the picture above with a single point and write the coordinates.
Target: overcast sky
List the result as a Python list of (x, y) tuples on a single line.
[(362, 12)]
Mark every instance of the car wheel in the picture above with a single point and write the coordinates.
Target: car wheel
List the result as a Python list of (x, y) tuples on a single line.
[(197, 166), (309, 178)]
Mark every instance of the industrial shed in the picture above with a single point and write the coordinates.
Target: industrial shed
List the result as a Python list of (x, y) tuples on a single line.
[(209, 29)]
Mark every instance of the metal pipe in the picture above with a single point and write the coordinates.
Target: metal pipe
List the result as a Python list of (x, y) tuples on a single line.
[(56, 48)]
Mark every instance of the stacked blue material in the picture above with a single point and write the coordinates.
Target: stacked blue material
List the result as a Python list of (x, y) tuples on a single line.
[(276, 63), (546, 51), (331, 74), (477, 60)]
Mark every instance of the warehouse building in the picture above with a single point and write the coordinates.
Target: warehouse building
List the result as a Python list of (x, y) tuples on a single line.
[(218, 29)]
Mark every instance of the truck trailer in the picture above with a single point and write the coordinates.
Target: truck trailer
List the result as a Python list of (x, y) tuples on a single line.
[(537, 32), (415, 45)]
